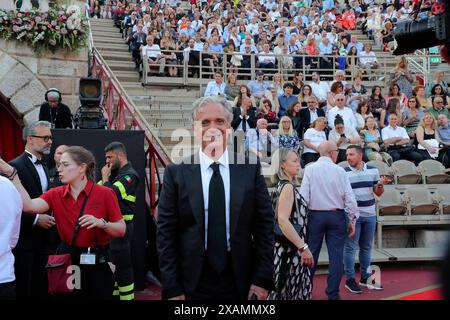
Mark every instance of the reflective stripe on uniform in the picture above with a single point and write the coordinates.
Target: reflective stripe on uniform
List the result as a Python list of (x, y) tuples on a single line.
[(100, 182), (127, 288), (115, 292), (123, 192), (127, 297), (128, 217)]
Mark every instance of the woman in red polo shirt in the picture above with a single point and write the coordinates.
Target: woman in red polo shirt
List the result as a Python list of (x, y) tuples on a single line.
[(101, 218)]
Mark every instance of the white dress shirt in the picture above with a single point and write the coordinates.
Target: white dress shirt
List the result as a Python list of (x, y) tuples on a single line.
[(397, 132), (153, 51), (365, 57), (320, 89), (207, 172), (9, 228), (42, 177), (326, 187), (346, 114)]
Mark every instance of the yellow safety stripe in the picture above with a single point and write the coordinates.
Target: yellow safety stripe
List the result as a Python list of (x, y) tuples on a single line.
[(128, 217), (100, 182), (128, 297), (127, 288), (123, 192), (116, 293)]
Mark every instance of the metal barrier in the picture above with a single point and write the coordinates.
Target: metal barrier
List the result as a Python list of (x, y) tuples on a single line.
[(286, 65), (121, 114)]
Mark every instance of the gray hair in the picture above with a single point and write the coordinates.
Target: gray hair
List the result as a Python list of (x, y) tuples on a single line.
[(339, 94), (53, 95), (30, 129), (203, 101), (339, 72), (278, 157)]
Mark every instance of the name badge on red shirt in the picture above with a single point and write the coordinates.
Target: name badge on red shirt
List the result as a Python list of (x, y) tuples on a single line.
[(87, 258)]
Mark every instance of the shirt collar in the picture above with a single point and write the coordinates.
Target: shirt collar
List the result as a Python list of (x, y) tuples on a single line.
[(205, 161), (32, 156), (326, 159), (86, 189), (354, 169)]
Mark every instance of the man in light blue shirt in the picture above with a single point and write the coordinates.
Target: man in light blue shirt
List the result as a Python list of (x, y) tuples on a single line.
[(354, 43), (328, 5), (444, 135), (258, 87), (286, 99)]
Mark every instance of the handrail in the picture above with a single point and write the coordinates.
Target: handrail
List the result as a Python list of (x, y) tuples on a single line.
[(120, 108)]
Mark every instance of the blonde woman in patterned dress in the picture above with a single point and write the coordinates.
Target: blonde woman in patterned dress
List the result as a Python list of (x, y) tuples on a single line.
[(292, 275)]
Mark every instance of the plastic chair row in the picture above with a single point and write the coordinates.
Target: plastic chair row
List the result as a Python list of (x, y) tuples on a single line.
[(406, 172), (414, 200)]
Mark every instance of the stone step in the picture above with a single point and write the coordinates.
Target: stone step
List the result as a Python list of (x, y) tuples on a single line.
[(127, 75), (117, 56), (108, 40), (122, 66), (101, 21), (106, 34), (116, 47), (107, 30)]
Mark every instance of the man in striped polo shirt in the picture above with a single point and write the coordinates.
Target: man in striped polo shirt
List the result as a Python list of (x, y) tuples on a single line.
[(365, 181)]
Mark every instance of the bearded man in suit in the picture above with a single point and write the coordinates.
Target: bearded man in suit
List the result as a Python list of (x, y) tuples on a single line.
[(32, 248)]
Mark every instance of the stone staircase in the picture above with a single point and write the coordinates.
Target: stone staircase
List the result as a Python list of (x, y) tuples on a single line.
[(166, 108)]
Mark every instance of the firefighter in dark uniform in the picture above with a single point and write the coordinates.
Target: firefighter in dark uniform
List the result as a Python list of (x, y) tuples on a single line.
[(119, 175)]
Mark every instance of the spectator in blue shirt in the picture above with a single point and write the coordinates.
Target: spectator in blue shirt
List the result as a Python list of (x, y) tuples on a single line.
[(258, 87), (215, 46), (286, 99), (355, 43)]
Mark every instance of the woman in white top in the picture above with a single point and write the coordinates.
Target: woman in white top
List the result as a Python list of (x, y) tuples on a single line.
[(312, 138)]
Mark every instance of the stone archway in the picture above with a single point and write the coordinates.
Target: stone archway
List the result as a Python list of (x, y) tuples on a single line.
[(21, 87)]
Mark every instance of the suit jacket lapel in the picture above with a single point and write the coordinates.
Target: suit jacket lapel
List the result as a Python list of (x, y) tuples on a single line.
[(30, 166), (237, 187), (193, 184)]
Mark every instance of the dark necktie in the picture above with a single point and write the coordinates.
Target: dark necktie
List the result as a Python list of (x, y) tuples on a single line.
[(217, 238), (38, 162), (244, 121)]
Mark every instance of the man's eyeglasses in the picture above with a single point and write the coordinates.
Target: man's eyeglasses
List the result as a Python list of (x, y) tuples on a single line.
[(339, 99), (312, 102), (45, 138)]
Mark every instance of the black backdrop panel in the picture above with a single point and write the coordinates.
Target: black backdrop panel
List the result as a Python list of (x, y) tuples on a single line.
[(95, 141)]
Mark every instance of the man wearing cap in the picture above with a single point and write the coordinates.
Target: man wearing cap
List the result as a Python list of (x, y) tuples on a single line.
[(286, 99)]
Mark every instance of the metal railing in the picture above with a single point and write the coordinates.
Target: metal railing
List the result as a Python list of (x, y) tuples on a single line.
[(122, 114)]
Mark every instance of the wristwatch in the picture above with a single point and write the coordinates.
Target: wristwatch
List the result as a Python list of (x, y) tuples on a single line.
[(303, 248)]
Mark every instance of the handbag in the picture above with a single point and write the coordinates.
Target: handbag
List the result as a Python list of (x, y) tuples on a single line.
[(58, 263), (278, 234)]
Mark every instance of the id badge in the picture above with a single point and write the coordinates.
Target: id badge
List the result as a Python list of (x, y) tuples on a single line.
[(87, 258)]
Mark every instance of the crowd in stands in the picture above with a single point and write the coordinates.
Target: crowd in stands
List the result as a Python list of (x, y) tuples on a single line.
[(313, 36)]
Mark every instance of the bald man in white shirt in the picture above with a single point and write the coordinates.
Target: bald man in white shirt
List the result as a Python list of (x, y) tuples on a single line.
[(333, 212)]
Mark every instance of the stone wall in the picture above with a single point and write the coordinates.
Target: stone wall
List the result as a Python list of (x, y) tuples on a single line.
[(24, 77)]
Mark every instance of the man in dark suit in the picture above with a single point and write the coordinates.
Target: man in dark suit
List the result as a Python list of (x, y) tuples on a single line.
[(246, 110), (54, 111), (215, 220), (308, 115), (31, 250)]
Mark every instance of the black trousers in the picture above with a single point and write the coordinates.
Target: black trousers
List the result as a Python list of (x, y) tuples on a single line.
[(7, 291), (120, 252), (406, 154), (214, 286), (31, 275)]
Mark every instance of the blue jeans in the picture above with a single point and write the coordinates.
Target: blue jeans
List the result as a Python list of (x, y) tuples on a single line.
[(365, 229), (333, 226)]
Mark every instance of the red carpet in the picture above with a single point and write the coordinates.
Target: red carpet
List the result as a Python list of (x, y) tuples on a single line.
[(433, 294), (400, 282)]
